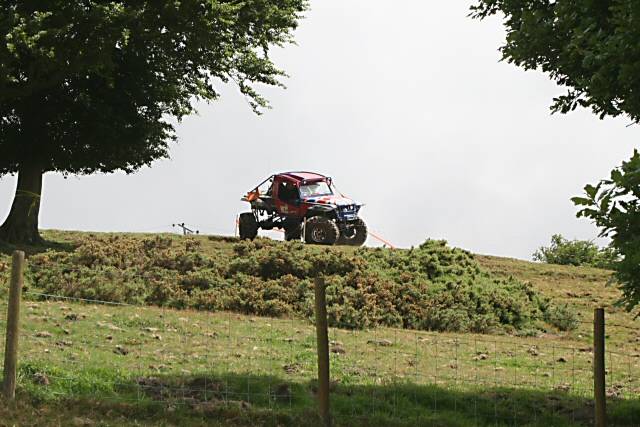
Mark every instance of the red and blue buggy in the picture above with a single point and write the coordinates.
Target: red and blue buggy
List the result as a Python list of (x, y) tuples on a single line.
[(303, 204)]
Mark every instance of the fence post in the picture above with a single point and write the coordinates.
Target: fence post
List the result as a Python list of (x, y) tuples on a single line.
[(600, 415), (323, 351), (13, 319)]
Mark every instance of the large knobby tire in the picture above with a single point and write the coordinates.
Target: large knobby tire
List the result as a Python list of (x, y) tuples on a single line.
[(355, 235), (248, 226), (293, 231), (321, 231)]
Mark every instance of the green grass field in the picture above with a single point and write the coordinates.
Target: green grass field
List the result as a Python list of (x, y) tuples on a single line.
[(105, 364)]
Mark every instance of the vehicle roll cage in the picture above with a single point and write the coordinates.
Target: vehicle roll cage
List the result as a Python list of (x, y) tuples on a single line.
[(321, 178)]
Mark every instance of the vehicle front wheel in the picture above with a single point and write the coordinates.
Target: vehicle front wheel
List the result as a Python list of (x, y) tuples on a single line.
[(321, 231), (248, 226), (354, 234)]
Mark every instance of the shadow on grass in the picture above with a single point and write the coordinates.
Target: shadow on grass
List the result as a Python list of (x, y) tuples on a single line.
[(59, 241), (8, 248), (252, 400)]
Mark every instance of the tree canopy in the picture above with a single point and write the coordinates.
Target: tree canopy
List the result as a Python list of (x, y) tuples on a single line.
[(614, 205), (589, 46), (92, 86), (592, 48)]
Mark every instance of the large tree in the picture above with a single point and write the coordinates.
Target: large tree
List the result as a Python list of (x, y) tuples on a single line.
[(591, 47), (94, 85)]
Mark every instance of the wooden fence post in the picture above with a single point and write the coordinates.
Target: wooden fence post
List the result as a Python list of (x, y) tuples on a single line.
[(323, 351), (600, 397), (13, 320)]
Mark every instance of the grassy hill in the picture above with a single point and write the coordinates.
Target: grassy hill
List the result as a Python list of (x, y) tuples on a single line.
[(430, 336)]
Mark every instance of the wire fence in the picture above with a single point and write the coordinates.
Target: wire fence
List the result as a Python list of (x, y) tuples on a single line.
[(489, 379), (206, 363), (77, 349)]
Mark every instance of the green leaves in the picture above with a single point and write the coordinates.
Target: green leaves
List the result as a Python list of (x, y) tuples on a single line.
[(591, 190), (589, 47), (88, 86), (581, 201), (614, 206)]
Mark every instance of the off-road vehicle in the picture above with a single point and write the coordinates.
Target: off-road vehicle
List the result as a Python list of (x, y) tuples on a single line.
[(303, 203)]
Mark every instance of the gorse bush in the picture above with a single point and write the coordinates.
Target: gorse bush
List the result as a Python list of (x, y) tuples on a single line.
[(575, 252), (562, 317), (431, 287)]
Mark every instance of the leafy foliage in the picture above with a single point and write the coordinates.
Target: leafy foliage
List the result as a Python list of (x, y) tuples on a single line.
[(614, 206), (431, 287), (88, 86), (591, 47), (575, 252)]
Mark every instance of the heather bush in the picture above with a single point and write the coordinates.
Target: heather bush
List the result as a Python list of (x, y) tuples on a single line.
[(430, 287)]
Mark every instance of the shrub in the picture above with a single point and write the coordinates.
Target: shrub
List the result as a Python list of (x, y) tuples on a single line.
[(562, 317), (575, 252), (431, 287)]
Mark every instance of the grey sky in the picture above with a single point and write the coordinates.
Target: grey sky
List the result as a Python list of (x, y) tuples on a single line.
[(407, 106)]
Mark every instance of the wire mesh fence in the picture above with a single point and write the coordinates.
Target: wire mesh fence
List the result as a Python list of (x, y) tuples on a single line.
[(203, 363), (491, 379), (160, 355)]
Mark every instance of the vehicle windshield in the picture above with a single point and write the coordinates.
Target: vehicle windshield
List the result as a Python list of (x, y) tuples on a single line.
[(320, 188)]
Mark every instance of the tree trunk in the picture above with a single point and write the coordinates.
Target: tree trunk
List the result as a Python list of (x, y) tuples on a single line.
[(21, 226)]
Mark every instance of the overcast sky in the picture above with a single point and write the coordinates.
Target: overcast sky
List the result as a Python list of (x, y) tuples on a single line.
[(407, 106)]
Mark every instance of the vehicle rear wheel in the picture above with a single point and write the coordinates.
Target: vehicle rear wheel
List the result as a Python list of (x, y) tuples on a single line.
[(248, 226), (320, 230), (292, 231), (355, 234)]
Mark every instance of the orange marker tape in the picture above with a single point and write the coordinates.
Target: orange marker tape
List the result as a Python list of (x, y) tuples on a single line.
[(375, 236)]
